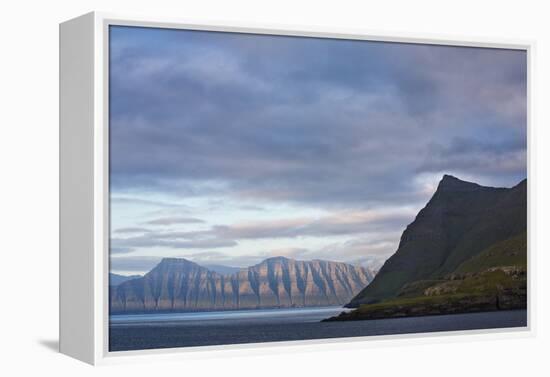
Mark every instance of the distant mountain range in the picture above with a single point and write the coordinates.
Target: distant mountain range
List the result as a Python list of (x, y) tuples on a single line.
[(466, 251), (177, 284)]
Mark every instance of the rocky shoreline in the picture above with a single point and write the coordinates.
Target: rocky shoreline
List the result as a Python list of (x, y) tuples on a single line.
[(426, 306)]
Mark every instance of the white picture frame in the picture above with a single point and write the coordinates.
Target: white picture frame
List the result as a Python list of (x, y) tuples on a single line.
[(84, 183)]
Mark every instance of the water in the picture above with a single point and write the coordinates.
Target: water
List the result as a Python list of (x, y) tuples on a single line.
[(147, 331), (230, 317)]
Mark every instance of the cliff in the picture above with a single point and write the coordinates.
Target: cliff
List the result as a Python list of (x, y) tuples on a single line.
[(460, 221), (495, 279), (181, 285)]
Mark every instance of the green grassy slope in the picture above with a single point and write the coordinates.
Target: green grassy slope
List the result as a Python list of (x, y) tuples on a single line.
[(511, 252), (495, 279)]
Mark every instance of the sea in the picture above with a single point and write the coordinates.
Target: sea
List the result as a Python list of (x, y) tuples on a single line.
[(170, 330)]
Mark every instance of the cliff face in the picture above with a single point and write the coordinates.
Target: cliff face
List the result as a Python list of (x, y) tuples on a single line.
[(460, 221), (495, 279), (181, 285)]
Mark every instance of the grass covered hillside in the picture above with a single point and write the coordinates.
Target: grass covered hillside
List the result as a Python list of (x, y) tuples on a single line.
[(496, 279), (465, 252)]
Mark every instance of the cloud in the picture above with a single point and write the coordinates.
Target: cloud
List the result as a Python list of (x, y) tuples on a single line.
[(480, 157), (221, 236), (378, 246), (174, 220), (312, 121), (133, 263), (362, 130), (225, 259), (365, 251), (120, 249), (166, 240), (131, 230), (143, 264), (115, 199), (344, 223)]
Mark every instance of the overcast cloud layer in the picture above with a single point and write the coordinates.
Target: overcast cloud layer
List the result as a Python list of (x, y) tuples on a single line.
[(211, 133)]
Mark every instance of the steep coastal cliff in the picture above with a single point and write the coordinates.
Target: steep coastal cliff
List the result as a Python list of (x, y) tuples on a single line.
[(466, 251)]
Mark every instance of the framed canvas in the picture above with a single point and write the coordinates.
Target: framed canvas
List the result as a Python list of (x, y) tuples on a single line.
[(234, 187)]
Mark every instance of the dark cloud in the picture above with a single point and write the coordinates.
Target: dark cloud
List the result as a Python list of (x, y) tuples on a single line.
[(488, 158), (346, 123)]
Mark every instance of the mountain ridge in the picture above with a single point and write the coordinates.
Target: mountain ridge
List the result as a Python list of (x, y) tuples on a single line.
[(460, 220), (177, 284)]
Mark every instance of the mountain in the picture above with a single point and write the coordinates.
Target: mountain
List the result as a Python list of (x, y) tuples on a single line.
[(466, 251), (177, 284), (115, 279), (460, 220)]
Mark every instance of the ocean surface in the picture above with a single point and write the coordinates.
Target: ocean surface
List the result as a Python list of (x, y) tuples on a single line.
[(147, 331)]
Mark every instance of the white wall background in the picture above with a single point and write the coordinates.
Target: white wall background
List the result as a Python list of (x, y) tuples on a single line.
[(29, 186)]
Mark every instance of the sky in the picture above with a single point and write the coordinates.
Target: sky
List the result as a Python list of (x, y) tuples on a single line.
[(230, 148)]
